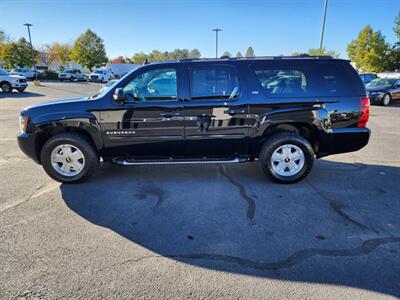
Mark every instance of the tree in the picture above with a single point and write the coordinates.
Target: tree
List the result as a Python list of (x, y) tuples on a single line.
[(227, 53), (318, 52), (239, 54), (396, 27), (18, 54), (57, 53), (89, 50), (369, 51), (250, 52), (139, 58), (194, 53)]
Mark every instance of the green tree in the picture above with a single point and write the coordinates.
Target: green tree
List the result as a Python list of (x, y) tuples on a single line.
[(89, 50), (318, 52), (139, 58), (239, 54), (323, 52), (369, 51), (18, 54), (250, 52), (194, 53), (227, 53), (396, 27)]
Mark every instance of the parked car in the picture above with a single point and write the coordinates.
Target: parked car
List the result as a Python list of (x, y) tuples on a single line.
[(8, 82), (367, 77), (101, 75), (107, 85), (71, 75), (205, 111), (383, 90), (25, 72)]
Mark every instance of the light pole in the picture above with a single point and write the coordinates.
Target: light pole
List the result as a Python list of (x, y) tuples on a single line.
[(216, 40), (323, 28), (28, 25)]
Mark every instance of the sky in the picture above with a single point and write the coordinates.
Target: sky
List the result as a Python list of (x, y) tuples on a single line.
[(271, 27)]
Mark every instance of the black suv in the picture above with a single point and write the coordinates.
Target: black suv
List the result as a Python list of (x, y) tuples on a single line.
[(283, 111)]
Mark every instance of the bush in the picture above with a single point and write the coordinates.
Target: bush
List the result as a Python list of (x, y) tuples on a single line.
[(48, 75)]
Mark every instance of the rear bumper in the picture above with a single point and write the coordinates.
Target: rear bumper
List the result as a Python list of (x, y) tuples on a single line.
[(26, 143), (342, 140)]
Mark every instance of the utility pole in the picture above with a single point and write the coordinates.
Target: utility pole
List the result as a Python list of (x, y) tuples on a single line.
[(28, 25), (323, 28), (216, 40)]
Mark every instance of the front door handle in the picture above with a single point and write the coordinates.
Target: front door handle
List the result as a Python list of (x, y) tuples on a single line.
[(170, 114), (233, 112)]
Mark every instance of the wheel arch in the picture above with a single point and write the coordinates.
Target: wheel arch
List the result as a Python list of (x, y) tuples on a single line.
[(83, 127)]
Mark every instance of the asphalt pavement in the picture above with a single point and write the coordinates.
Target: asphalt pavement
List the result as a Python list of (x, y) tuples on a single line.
[(200, 231)]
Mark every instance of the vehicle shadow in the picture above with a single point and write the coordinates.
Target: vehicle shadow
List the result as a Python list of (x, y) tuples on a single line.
[(339, 226), (17, 95)]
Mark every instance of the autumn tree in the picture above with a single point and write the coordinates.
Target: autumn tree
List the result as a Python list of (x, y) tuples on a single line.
[(239, 54), (18, 54)]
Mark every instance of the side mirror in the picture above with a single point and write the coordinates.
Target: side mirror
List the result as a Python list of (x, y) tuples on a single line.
[(119, 95)]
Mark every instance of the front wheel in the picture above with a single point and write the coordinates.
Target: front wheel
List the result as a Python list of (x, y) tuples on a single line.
[(6, 87), (286, 157), (386, 100), (69, 158)]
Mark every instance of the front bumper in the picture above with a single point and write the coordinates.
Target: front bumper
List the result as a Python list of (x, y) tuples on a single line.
[(342, 140), (26, 143), (19, 85), (376, 98)]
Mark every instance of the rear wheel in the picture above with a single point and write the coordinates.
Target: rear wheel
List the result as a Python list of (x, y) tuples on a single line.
[(386, 100), (6, 87), (286, 157), (69, 158)]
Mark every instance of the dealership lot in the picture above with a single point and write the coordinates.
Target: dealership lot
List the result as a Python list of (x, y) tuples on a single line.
[(178, 232)]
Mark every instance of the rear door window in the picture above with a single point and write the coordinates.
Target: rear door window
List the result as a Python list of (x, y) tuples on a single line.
[(214, 82)]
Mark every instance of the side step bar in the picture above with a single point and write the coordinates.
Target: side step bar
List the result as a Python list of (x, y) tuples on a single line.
[(133, 162)]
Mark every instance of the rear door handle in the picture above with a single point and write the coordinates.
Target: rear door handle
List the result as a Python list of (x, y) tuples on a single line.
[(169, 114), (233, 112)]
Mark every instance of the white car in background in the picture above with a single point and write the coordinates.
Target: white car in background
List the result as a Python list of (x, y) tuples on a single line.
[(71, 75), (26, 72), (101, 75), (8, 82)]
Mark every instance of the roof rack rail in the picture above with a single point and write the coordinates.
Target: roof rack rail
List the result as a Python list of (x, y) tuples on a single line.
[(302, 56)]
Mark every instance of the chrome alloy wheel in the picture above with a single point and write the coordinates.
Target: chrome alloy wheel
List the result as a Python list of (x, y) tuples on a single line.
[(67, 160), (287, 160), (386, 99)]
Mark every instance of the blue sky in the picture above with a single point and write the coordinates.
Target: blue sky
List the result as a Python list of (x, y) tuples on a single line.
[(271, 27)]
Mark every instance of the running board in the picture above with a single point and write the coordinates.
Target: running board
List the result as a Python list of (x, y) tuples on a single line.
[(172, 161)]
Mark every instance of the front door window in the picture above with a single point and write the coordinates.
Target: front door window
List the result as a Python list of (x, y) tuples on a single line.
[(153, 85)]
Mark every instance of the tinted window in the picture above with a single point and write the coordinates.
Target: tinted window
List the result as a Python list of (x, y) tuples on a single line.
[(154, 85), (214, 83), (286, 83), (308, 79)]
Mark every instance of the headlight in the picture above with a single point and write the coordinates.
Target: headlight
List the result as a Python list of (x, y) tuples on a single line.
[(14, 80), (23, 122)]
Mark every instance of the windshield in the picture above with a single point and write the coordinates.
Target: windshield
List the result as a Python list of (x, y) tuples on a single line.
[(3, 72), (68, 71), (381, 82), (98, 72)]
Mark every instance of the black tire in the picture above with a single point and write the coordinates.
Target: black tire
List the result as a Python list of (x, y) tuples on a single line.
[(21, 90), (61, 80), (273, 143), (71, 79), (6, 87), (386, 102), (78, 141)]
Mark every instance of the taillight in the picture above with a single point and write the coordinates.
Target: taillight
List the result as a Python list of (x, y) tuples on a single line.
[(364, 112)]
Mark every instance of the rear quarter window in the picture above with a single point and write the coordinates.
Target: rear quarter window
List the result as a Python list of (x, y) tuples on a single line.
[(286, 79)]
